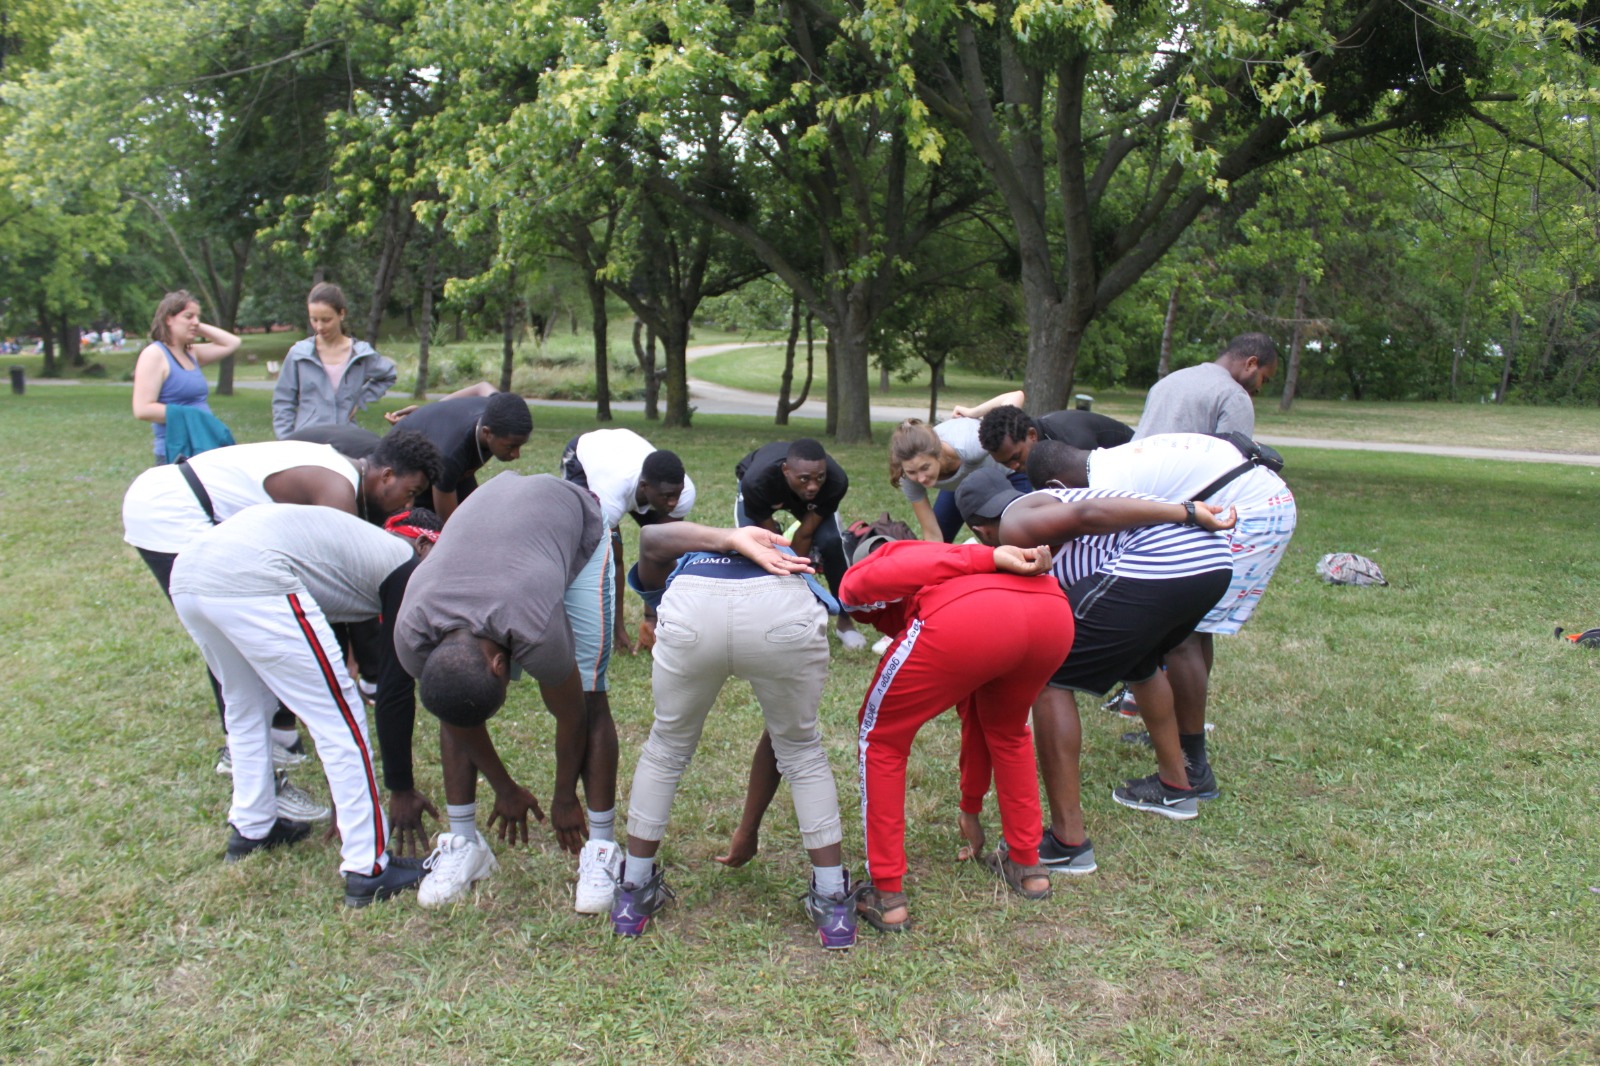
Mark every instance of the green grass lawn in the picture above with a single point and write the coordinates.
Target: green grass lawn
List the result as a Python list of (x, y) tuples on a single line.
[(1404, 865)]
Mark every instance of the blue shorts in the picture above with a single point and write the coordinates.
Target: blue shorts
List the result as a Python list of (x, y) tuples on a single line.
[(591, 602)]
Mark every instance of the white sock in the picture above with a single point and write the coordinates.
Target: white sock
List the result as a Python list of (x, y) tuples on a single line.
[(463, 819), (636, 871), (829, 879), (602, 824), (285, 738)]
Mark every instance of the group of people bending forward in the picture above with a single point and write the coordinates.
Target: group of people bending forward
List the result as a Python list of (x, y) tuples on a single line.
[(287, 561)]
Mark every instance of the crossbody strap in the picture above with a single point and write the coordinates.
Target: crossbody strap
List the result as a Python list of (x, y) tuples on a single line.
[(198, 489), (1217, 485)]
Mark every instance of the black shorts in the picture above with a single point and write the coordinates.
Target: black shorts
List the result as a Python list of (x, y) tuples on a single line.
[(1126, 624)]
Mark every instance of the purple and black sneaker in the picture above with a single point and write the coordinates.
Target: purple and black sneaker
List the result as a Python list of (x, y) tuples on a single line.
[(834, 916), (635, 905)]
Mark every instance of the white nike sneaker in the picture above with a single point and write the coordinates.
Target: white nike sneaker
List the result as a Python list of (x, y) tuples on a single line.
[(297, 805), (457, 863), (599, 866)]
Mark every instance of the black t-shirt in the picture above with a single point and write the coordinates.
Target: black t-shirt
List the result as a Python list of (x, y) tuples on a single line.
[(1083, 429), (765, 489), (452, 426), (352, 442)]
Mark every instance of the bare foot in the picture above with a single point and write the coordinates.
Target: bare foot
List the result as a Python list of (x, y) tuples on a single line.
[(741, 849), (971, 829)]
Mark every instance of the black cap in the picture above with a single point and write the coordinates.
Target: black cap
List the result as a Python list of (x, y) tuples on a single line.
[(984, 494)]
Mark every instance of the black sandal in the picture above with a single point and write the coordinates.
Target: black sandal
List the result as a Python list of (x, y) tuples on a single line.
[(872, 905)]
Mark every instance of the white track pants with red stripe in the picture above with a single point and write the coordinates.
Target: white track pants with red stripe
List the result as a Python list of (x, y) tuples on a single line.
[(269, 648)]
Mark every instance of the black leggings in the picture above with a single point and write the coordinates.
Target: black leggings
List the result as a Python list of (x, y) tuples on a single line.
[(160, 564)]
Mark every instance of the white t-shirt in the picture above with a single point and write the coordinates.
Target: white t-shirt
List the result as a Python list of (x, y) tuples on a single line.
[(1175, 466), (161, 514), (280, 548), (962, 435), (613, 460)]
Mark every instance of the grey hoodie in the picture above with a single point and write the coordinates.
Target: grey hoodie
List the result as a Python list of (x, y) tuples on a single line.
[(305, 395)]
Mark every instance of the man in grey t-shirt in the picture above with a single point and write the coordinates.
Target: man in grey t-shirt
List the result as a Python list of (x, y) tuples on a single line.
[(491, 593), (1213, 397), (258, 594)]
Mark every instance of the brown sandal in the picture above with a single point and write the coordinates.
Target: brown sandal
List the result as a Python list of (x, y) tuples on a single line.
[(872, 905), (1016, 876)]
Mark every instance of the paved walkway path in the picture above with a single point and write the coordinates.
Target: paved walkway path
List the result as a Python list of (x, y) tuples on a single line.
[(713, 399)]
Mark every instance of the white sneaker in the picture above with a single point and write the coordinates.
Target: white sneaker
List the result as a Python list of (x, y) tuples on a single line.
[(882, 645), (852, 639), (296, 804), (457, 863), (282, 758), (599, 866)]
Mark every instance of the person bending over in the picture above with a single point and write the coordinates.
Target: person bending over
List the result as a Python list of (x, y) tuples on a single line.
[(468, 432), (734, 603), (801, 478), (493, 593), (258, 594)]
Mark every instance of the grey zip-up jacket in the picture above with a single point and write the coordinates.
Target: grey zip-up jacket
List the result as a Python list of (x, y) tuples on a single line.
[(305, 395)]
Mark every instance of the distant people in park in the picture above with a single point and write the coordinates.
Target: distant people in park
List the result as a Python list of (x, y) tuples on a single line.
[(923, 457), (469, 427), (801, 478), (1213, 397), (168, 372), (329, 377)]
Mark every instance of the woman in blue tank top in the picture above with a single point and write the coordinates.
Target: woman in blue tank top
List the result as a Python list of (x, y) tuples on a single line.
[(168, 370)]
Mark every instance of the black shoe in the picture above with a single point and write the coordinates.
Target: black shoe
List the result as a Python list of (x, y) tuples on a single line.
[(1139, 737), (1152, 794), (283, 831), (1204, 782), (401, 875), (1060, 859)]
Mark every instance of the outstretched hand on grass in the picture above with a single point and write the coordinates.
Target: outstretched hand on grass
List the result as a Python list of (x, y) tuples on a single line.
[(407, 834), (511, 810)]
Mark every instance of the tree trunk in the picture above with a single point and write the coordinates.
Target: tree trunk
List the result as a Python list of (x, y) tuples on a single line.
[(1461, 330), (674, 351), (1291, 375), (883, 376), (48, 340), (850, 378), (1513, 342), (935, 379), (508, 334), (228, 308), (786, 380), (397, 224), (71, 343), (1164, 366), (1053, 346), (425, 327), (645, 353), (830, 423), (459, 333), (602, 354)]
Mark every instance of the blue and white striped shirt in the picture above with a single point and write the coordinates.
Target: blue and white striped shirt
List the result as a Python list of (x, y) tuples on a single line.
[(1151, 553)]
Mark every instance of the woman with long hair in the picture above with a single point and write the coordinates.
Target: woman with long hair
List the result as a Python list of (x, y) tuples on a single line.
[(330, 376), (168, 369), (923, 457)]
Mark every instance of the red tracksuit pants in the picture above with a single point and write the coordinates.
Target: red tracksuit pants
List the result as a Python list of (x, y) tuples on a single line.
[(993, 649)]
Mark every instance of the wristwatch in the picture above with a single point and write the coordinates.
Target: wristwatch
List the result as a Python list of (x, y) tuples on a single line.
[(1188, 513)]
